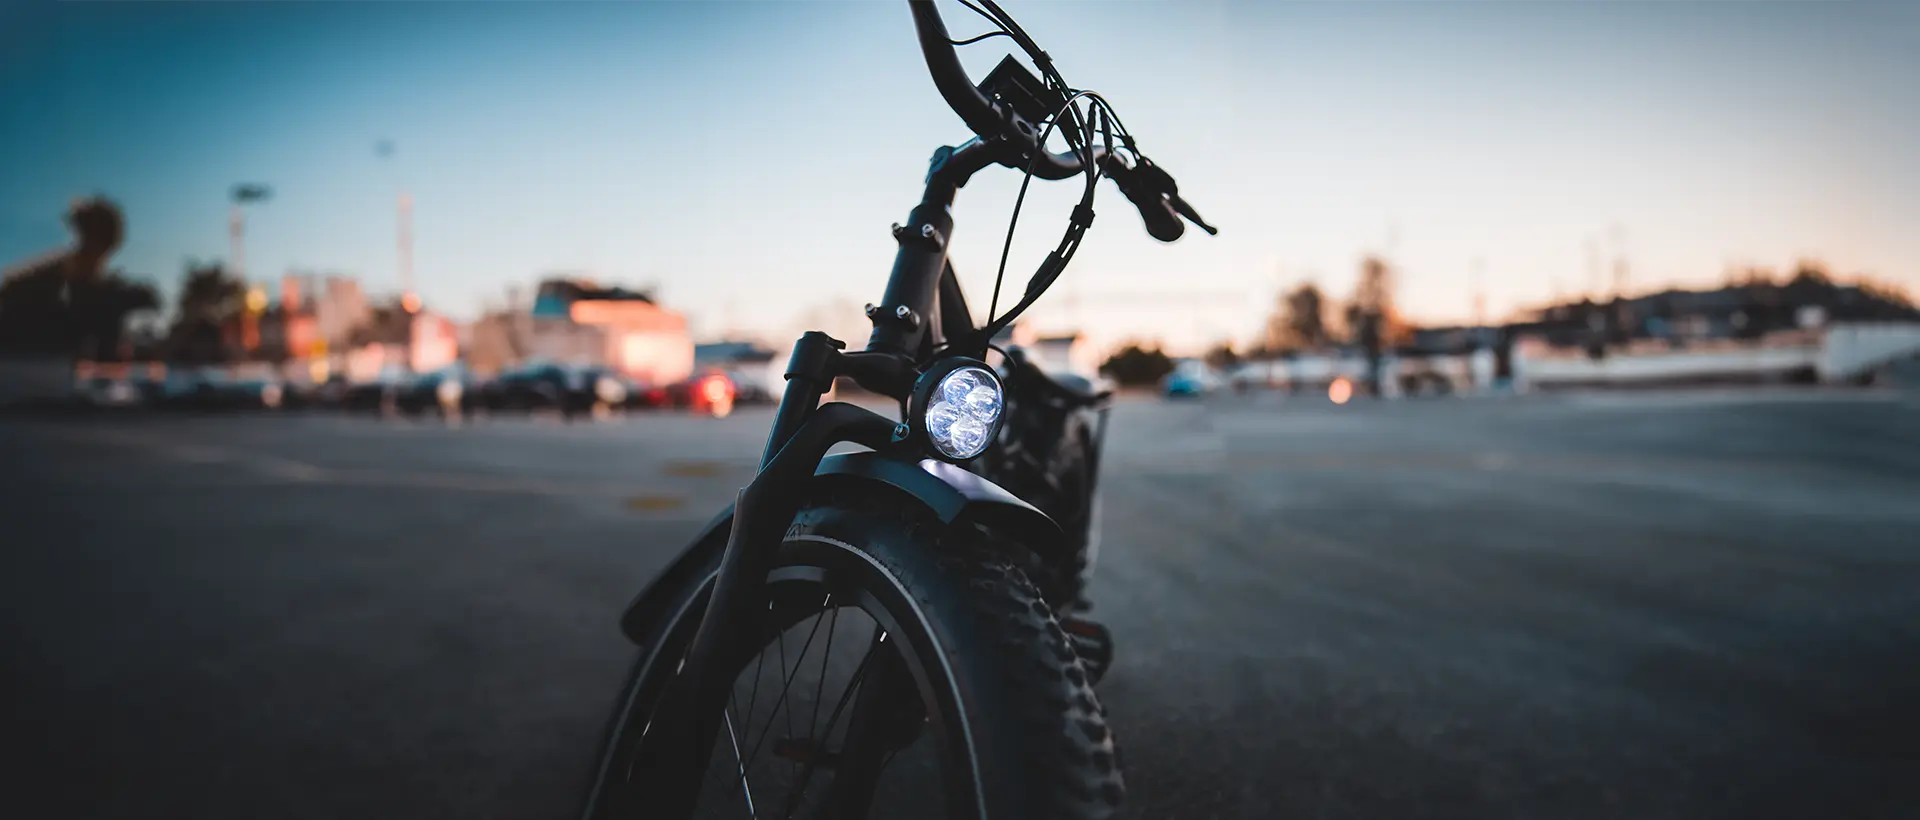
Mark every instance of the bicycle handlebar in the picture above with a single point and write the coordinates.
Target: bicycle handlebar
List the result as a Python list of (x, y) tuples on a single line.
[(1149, 187), (980, 114)]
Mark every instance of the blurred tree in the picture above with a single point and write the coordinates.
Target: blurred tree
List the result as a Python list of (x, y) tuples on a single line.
[(66, 302), (1300, 322), (1221, 356), (1898, 301), (209, 306), (1810, 272), (1136, 366), (33, 309), (100, 310), (1371, 317)]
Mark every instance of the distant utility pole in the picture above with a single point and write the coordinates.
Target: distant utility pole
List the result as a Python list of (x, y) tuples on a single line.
[(237, 240), (1620, 282), (1475, 276), (409, 299), (1594, 286), (237, 222), (237, 227)]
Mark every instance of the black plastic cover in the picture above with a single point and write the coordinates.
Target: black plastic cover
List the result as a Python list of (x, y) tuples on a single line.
[(1014, 86)]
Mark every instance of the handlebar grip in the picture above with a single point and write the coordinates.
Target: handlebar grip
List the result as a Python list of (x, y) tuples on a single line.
[(1162, 223)]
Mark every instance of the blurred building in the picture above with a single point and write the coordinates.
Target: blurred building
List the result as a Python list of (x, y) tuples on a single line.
[(1745, 310), (497, 340), (1802, 329), (338, 306), (290, 330), (576, 321), (434, 342)]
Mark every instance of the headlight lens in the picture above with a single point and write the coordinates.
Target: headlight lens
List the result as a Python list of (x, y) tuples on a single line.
[(962, 409)]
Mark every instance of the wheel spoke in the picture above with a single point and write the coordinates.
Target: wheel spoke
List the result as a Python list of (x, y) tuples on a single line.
[(783, 689), (753, 698), (741, 766), (820, 686), (799, 788), (785, 686)]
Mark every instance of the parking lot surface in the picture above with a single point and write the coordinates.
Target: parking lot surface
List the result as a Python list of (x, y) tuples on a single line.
[(1693, 605)]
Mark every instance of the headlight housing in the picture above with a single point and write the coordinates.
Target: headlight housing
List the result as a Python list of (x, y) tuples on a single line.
[(956, 408)]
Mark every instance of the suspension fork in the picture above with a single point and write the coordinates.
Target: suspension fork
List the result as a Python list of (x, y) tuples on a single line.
[(677, 740)]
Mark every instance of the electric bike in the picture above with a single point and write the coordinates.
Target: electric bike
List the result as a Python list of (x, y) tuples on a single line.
[(944, 557)]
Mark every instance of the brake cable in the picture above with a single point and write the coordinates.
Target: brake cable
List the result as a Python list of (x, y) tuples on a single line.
[(971, 40), (1080, 138), (1006, 249)]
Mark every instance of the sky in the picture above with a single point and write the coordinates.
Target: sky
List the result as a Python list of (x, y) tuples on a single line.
[(747, 157)]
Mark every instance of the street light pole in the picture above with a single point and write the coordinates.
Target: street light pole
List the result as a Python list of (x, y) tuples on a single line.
[(237, 227), (408, 298)]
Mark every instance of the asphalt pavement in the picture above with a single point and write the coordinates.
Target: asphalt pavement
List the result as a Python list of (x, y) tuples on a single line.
[(1689, 605)]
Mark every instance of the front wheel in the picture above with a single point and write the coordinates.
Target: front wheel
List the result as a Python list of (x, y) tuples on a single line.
[(905, 669)]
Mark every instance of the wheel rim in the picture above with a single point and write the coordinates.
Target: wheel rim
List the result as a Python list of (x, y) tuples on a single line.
[(784, 747)]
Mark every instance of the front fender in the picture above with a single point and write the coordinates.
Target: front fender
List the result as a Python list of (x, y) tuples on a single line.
[(951, 494)]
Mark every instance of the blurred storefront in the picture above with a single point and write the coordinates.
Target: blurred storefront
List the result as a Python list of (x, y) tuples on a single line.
[(576, 321)]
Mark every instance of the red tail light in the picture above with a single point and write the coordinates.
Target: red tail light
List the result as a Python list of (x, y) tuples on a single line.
[(717, 389)]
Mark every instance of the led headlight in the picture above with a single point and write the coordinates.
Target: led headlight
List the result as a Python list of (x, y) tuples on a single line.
[(956, 407)]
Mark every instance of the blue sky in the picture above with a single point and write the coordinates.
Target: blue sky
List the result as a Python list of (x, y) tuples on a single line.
[(747, 157)]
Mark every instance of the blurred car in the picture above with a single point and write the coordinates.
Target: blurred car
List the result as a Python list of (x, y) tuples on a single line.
[(568, 389), (750, 385), (1259, 375), (329, 393), (376, 394), (1189, 379), (213, 388), (710, 392), (447, 390), (105, 391), (302, 393)]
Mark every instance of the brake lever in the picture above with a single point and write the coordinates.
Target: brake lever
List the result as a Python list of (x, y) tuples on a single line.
[(1181, 207), (1163, 182)]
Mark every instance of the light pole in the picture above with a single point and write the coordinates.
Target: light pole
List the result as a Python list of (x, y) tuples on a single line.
[(237, 226), (409, 300), (237, 223), (1476, 272)]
